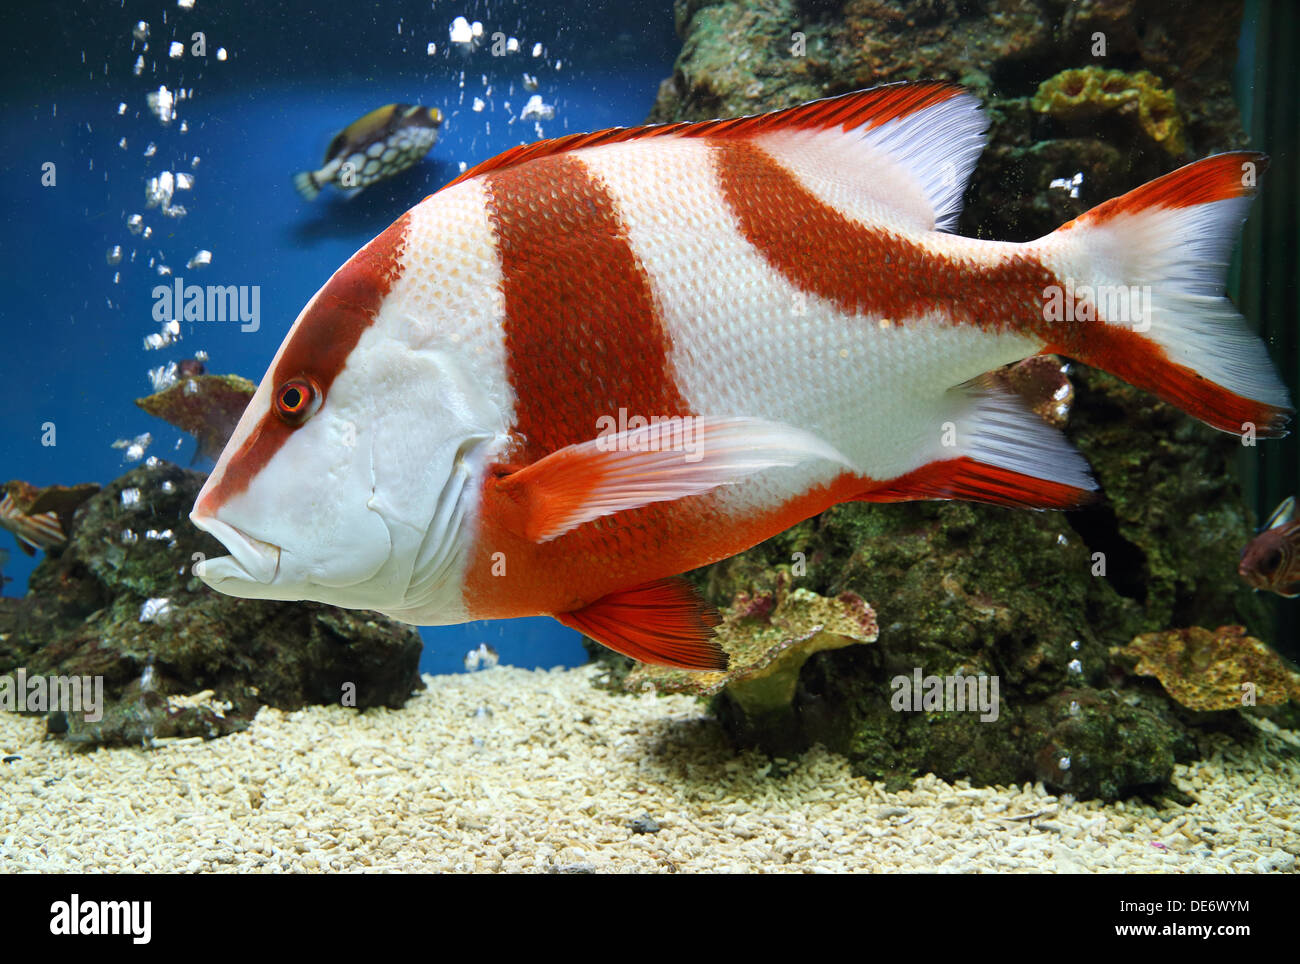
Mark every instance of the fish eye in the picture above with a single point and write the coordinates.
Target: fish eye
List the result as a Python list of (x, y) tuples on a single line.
[(297, 400), (1271, 561)]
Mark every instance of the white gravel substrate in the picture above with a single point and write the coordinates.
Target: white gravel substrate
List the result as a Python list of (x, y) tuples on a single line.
[(511, 770)]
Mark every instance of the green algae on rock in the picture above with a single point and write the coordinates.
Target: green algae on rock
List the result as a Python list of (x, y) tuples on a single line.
[(1086, 93), (206, 406), (1108, 744), (1207, 671), (177, 659)]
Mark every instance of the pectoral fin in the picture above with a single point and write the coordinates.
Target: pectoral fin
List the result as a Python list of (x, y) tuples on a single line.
[(630, 469)]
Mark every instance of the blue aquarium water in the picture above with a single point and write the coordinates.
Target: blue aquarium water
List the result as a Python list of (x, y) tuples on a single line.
[(261, 105)]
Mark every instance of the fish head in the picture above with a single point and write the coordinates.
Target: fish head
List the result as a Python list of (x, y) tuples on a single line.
[(1263, 560), (347, 480)]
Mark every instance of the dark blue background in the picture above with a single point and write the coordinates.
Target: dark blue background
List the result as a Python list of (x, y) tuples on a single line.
[(295, 74)]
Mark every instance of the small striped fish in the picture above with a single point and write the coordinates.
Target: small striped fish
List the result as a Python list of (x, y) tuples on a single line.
[(40, 531), (593, 363)]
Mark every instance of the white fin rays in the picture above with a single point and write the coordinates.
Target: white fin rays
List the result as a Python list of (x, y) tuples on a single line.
[(657, 463), (996, 429), (915, 167)]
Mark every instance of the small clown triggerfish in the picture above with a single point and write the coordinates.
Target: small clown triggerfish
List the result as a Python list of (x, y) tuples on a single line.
[(593, 363), (379, 145)]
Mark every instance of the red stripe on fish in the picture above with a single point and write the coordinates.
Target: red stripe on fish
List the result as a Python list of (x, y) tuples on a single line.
[(582, 335), (863, 108), (583, 339), (863, 270), (319, 349), (1142, 363)]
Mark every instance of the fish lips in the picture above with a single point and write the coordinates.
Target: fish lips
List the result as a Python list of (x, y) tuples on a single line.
[(250, 561)]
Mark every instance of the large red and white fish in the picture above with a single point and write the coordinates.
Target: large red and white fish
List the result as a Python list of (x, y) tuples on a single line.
[(593, 363)]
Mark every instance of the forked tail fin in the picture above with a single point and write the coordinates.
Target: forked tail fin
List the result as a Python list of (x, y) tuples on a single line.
[(1147, 271)]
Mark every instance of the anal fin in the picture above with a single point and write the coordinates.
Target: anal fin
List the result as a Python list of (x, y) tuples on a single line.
[(663, 622), (964, 478), (1000, 453)]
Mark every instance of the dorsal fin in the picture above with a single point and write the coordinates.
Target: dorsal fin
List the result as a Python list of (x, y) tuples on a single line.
[(363, 128), (1284, 513), (939, 150)]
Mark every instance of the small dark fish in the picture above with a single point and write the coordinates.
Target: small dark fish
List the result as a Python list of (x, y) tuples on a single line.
[(1270, 560), (379, 145), (189, 367)]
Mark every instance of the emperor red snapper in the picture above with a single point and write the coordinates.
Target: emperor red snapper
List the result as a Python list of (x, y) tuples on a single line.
[(593, 363)]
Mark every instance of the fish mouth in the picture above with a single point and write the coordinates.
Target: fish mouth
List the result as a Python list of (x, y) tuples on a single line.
[(250, 559)]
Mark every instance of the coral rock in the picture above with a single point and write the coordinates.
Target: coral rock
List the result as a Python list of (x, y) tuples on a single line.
[(1086, 93), (206, 406), (1206, 670), (177, 659), (769, 638)]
